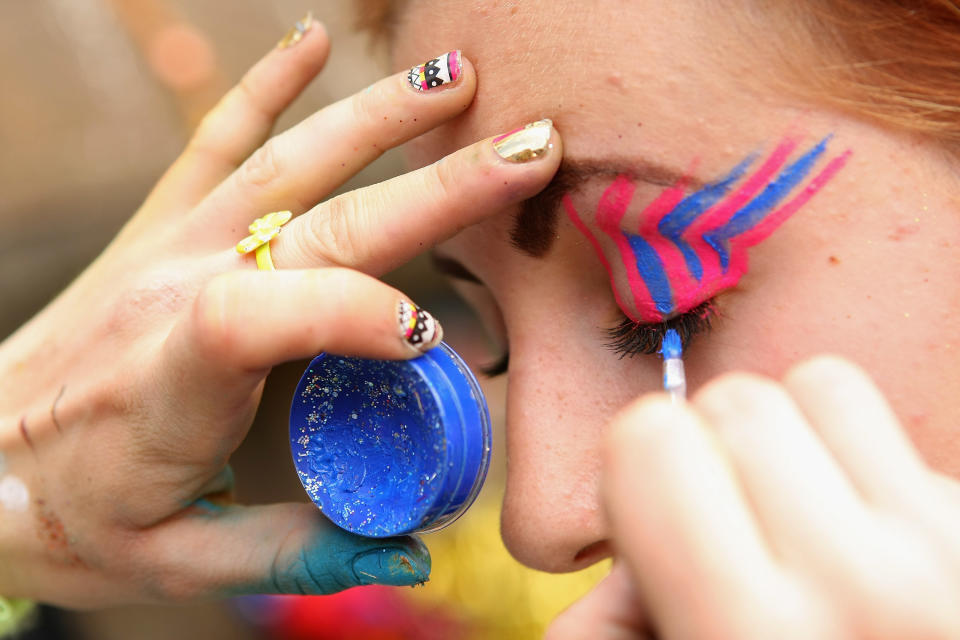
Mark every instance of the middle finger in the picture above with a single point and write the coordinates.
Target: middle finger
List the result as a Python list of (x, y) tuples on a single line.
[(299, 167)]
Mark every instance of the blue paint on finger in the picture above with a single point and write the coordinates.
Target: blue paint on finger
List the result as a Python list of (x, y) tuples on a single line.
[(336, 560)]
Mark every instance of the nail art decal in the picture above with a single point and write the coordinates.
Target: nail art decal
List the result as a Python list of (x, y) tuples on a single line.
[(525, 143), (297, 31), (435, 73), (419, 329), (683, 248)]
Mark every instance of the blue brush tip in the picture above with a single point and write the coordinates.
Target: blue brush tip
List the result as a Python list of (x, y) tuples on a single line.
[(672, 347)]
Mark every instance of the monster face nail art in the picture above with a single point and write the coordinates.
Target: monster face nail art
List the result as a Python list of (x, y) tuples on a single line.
[(418, 328), (436, 73)]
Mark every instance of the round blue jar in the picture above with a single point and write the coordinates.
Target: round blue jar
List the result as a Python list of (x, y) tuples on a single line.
[(388, 447)]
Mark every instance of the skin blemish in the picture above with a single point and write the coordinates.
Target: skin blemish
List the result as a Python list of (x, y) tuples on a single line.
[(684, 247), (53, 534), (902, 231), (833, 260)]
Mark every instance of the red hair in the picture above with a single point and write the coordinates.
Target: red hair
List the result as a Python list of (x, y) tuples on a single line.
[(896, 62)]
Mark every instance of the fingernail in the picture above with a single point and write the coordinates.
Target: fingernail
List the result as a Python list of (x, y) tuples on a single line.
[(419, 329), (393, 567), (437, 72), (525, 143), (297, 32)]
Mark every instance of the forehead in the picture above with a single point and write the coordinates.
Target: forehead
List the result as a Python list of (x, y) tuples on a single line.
[(624, 78)]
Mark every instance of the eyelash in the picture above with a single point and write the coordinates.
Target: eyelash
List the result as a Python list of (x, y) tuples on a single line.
[(631, 338), (498, 367)]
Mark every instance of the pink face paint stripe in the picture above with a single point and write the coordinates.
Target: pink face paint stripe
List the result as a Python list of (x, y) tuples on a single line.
[(614, 203), (723, 210), (610, 212), (761, 231), (670, 256), (739, 244), (664, 204), (582, 228)]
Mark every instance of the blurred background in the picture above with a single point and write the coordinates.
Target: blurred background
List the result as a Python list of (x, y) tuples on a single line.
[(97, 98)]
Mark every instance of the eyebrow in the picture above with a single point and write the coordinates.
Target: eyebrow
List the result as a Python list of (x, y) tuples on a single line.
[(535, 226)]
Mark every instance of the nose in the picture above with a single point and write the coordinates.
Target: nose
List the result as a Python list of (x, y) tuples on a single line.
[(560, 399)]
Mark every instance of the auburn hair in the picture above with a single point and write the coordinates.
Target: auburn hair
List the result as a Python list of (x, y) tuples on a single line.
[(896, 62)]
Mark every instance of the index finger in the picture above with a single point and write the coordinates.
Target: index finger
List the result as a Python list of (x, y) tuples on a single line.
[(299, 167), (682, 523)]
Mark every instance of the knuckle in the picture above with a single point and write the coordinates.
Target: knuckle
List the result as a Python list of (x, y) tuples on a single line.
[(363, 104), (333, 231), (169, 586), (443, 179), (213, 333), (336, 282), (253, 100), (155, 293), (265, 167)]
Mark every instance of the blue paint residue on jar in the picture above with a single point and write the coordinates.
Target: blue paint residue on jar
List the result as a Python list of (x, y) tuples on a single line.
[(390, 447)]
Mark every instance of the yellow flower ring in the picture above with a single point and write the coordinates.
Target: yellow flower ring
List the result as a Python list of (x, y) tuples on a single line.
[(262, 231)]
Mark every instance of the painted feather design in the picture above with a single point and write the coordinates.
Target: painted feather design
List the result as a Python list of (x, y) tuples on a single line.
[(690, 246)]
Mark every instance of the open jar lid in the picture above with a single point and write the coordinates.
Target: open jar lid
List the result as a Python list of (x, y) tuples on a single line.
[(391, 447)]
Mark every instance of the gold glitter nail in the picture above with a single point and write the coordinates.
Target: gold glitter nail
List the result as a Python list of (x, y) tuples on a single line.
[(525, 143), (297, 32)]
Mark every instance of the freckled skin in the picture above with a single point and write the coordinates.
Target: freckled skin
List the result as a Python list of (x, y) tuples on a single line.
[(53, 534), (684, 94)]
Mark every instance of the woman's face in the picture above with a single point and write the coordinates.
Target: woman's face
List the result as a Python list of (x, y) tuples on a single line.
[(657, 101)]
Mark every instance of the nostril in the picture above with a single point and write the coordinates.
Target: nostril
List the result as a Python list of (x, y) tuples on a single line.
[(593, 553)]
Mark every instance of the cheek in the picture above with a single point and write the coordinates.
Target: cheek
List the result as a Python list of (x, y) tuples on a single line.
[(885, 301)]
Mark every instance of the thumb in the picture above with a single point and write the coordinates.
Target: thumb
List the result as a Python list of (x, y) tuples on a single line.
[(212, 550), (611, 611)]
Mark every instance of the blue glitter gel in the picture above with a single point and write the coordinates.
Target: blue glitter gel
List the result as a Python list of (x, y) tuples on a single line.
[(386, 448)]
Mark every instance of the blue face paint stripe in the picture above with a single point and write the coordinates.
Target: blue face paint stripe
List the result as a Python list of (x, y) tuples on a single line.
[(651, 270), (690, 208), (754, 211)]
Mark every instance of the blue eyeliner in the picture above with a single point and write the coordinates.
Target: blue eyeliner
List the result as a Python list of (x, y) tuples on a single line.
[(674, 379)]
